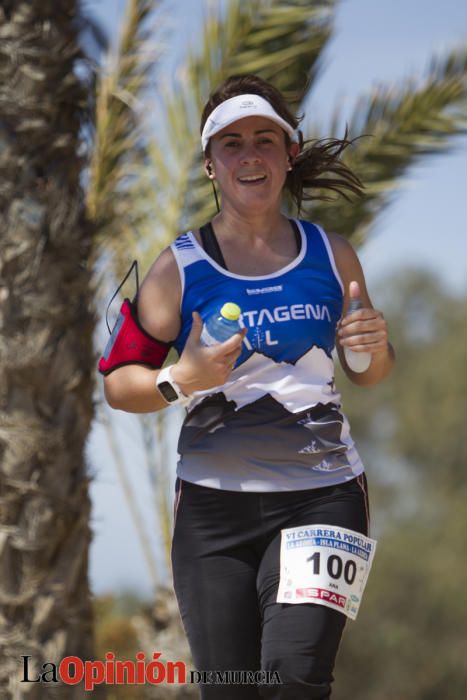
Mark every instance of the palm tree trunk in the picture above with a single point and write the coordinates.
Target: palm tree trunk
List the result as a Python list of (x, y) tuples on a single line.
[(45, 350)]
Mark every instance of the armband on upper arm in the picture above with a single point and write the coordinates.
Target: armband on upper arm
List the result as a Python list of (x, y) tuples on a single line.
[(130, 344)]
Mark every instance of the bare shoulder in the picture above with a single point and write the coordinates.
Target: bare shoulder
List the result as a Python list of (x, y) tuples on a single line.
[(160, 297), (348, 265), (162, 269), (342, 249)]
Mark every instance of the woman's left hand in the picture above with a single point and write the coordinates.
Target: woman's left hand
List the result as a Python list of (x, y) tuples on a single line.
[(364, 330)]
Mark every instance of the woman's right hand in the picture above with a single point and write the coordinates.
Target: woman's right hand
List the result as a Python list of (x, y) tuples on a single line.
[(202, 367)]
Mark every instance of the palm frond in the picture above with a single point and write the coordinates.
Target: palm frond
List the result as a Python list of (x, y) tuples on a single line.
[(399, 127), (282, 43), (120, 148)]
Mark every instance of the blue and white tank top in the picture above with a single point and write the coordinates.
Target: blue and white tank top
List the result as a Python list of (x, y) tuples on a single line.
[(277, 424)]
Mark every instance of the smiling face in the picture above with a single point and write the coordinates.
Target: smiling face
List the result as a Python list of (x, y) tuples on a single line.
[(249, 160)]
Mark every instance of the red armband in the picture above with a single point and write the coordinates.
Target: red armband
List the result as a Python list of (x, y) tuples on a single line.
[(130, 344)]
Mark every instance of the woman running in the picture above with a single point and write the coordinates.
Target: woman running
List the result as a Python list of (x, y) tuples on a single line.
[(265, 447)]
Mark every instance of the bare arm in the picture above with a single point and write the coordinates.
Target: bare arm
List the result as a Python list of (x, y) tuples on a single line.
[(366, 329), (133, 388)]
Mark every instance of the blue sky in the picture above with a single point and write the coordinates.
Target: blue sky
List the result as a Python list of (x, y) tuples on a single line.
[(375, 43)]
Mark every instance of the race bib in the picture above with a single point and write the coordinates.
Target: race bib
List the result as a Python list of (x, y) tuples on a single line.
[(326, 565)]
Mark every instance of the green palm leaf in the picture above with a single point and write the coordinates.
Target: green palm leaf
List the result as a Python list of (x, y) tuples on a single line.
[(403, 125), (114, 192)]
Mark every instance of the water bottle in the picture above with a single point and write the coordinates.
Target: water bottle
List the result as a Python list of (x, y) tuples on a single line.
[(221, 325), (357, 361)]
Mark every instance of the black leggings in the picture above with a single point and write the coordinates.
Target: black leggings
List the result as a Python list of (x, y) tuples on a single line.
[(225, 558)]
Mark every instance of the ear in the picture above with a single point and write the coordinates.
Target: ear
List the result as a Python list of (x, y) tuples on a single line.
[(208, 169), (294, 150)]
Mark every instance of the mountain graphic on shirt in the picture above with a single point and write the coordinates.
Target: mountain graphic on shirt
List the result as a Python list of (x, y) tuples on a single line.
[(271, 354), (296, 386)]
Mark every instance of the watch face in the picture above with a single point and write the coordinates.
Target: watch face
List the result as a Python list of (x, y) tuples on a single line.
[(167, 391)]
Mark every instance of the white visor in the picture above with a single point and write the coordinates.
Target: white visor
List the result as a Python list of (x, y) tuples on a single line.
[(240, 107)]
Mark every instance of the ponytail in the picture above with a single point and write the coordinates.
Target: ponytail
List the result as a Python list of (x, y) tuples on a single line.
[(318, 166)]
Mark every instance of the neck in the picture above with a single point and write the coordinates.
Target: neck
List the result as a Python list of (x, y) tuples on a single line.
[(264, 225)]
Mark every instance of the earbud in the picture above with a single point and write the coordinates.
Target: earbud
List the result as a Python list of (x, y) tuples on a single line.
[(289, 159), (209, 169)]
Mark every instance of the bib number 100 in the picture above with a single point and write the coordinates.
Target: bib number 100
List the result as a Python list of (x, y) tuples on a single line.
[(335, 567)]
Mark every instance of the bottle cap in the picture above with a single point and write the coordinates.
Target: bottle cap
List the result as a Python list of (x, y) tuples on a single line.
[(354, 304), (231, 311)]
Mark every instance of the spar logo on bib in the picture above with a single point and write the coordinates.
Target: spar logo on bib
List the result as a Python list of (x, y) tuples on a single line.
[(322, 594)]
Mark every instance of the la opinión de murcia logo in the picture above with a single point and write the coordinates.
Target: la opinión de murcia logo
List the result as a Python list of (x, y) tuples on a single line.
[(72, 670)]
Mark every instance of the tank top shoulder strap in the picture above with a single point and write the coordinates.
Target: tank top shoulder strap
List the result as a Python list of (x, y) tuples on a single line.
[(211, 244), (298, 238), (185, 250), (319, 250)]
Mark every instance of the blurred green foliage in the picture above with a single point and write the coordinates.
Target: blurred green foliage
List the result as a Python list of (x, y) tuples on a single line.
[(410, 641)]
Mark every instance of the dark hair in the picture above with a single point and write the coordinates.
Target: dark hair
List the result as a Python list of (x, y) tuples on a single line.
[(316, 157)]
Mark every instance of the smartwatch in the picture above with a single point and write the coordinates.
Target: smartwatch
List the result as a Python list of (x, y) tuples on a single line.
[(169, 388)]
